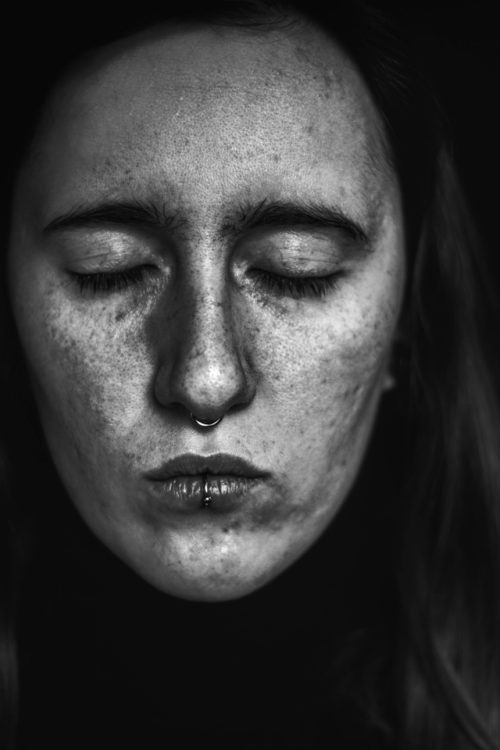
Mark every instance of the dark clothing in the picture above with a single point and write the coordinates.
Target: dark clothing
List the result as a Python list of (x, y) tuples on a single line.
[(107, 661)]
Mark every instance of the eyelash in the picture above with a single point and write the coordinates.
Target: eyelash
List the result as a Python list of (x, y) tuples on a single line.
[(296, 287), (109, 282)]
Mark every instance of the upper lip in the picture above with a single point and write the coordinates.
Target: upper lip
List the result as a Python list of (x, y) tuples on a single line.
[(218, 463)]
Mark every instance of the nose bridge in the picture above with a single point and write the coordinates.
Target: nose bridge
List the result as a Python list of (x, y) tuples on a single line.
[(209, 345), (208, 373)]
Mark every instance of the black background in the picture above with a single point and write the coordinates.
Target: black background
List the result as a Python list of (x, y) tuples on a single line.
[(464, 41)]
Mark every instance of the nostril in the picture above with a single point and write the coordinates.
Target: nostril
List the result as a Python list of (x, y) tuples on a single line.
[(207, 391)]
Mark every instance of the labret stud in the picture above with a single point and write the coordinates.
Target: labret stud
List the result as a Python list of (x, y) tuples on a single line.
[(206, 500)]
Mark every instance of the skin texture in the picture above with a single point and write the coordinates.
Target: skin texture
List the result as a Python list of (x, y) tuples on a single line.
[(208, 124)]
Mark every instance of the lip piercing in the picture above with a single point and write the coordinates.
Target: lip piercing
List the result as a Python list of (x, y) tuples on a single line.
[(206, 500), (203, 422)]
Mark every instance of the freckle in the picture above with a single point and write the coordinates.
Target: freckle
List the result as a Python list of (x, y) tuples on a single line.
[(328, 80), (301, 53), (119, 316), (233, 527)]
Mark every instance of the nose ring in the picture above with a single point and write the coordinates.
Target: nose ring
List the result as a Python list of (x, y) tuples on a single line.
[(203, 423)]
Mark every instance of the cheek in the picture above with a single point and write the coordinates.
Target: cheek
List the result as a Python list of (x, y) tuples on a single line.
[(324, 362), (90, 373), (324, 377)]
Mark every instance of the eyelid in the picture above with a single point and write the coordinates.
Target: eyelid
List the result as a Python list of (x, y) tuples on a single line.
[(107, 252), (292, 251)]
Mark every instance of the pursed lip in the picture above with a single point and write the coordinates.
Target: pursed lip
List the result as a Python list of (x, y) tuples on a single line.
[(218, 464), (180, 484)]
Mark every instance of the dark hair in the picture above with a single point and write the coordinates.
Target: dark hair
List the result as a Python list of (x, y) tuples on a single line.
[(445, 660)]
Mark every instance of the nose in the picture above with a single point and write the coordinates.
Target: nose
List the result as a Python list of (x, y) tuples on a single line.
[(204, 368)]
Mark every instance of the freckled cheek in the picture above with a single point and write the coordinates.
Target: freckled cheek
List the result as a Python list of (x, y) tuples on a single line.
[(88, 371), (324, 383), (315, 366)]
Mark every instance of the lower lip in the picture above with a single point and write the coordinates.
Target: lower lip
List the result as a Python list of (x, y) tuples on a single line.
[(186, 494)]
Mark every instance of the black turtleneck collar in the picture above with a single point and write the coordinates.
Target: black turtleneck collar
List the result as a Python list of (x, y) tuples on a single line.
[(109, 661)]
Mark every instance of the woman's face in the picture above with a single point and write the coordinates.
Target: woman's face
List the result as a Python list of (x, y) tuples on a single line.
[(207, 224)]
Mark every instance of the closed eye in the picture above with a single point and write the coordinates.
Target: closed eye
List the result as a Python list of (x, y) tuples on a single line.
[(297, 287), (109, 281)]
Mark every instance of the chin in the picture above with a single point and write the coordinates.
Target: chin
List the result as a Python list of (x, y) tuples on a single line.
[(220, 576), (209, 585)]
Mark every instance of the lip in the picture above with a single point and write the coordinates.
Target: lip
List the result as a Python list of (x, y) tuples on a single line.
[(191, 464), (179, 484)]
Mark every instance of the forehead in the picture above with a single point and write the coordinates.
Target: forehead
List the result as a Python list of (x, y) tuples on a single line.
[(281, 109)]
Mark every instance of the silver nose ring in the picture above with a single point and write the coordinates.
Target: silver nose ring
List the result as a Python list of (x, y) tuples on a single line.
[(203, 423)]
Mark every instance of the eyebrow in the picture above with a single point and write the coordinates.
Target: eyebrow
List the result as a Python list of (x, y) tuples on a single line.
[(133, 213), (266, 213), (293, 214)]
